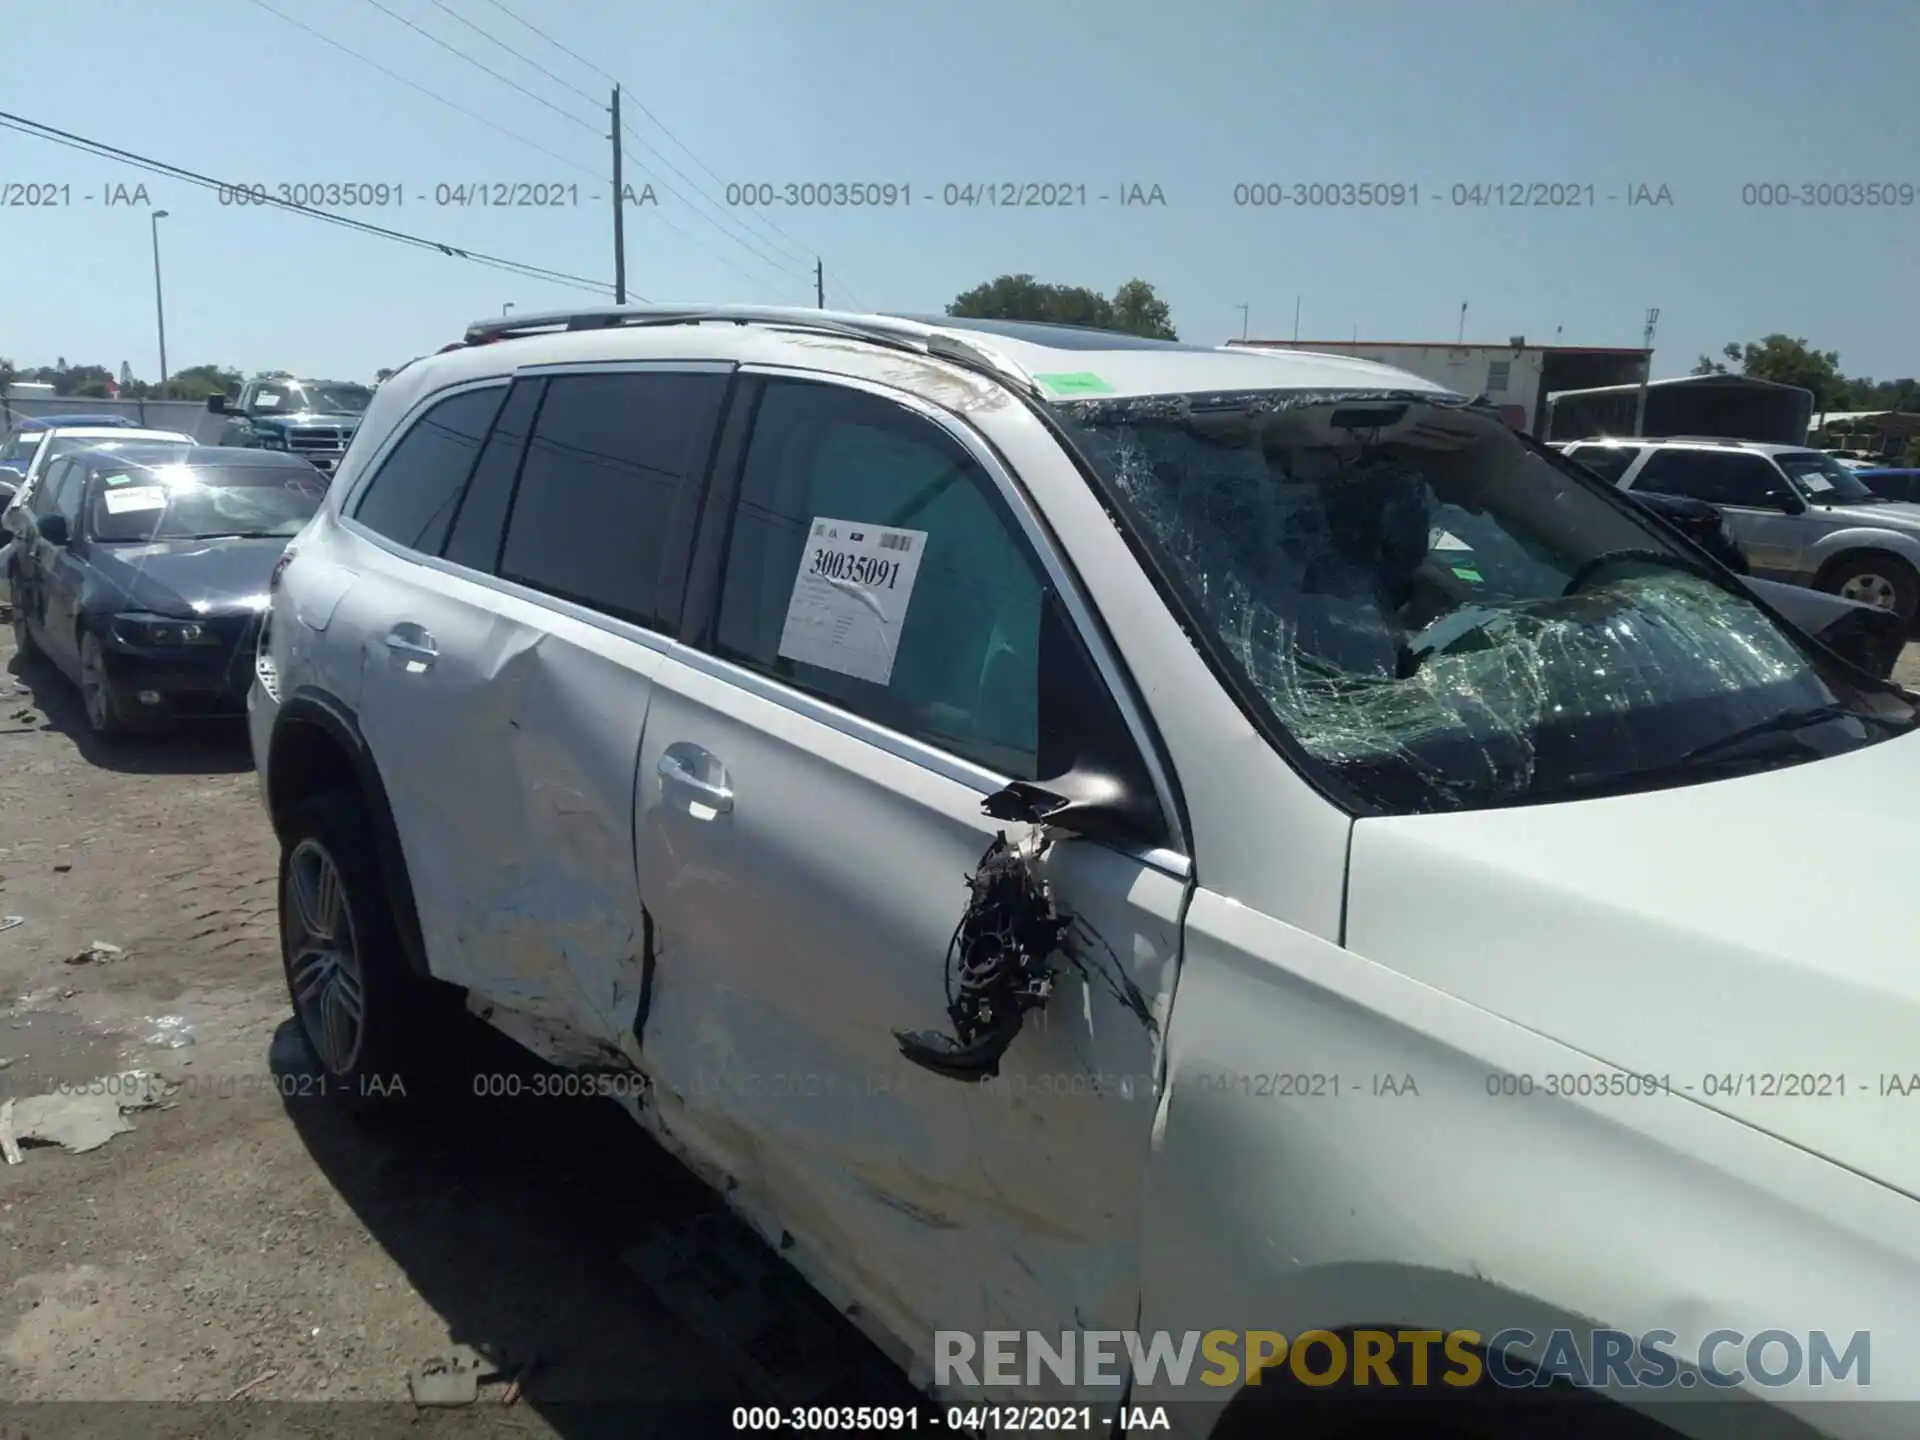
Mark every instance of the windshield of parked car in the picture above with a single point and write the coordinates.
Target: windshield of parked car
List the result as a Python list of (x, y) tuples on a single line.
[(1825, 479), (201, 502), (19, 449), (320, 397), (1441, 618)]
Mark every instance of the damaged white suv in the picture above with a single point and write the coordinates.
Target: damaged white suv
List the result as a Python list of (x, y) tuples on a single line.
[(1436, 898)]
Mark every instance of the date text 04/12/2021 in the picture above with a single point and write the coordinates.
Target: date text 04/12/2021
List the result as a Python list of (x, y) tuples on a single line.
[(460, 194), (1461, 195), (964, 195), (959, 1420)]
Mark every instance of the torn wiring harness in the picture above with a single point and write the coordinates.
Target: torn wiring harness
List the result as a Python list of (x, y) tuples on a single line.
[(999, 962)]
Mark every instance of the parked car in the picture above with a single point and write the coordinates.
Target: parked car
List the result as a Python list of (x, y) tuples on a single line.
[(314, 419), (1799, 515), (59, 441), (142, 573), (17, 450), (646, 686), (1891, 483)]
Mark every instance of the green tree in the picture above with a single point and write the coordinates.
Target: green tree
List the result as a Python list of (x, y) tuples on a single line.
[(1139, 311), (1134, 309), (197, 382), (1789, 360)]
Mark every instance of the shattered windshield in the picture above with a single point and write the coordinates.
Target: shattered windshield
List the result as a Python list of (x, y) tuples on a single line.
[(1445, 619)]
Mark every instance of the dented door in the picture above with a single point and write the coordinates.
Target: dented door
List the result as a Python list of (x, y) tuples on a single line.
[(809, 802)]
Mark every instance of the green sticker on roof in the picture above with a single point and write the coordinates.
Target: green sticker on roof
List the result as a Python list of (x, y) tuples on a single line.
[(1080, 383)]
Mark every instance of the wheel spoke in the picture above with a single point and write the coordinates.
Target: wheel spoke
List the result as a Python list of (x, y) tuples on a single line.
[(328, 897), (307, 898), (308, 972), (335, 1044), (346, 988)]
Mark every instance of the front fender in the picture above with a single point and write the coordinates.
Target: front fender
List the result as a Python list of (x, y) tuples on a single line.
[(1865, 537), (1280, 1200)]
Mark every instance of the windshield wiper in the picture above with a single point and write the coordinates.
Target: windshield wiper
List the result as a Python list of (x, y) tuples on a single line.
[(1785, 723)]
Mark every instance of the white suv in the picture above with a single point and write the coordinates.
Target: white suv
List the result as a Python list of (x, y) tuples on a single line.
[(1417, 948)]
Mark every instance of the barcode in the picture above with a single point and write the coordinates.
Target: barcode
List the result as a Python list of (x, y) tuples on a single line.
[(902, 543)]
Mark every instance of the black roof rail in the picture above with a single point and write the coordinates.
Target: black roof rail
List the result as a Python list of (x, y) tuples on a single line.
[(912, 337)]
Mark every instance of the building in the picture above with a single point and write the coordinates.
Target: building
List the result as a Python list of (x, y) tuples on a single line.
[(1885, 433), (1733, 407), (1516, 376)]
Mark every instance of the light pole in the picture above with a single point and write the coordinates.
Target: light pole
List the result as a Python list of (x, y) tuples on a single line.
[(505, 308), (159, 308)]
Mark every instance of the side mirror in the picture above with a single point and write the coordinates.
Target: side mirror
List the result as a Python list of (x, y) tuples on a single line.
[(55, 530), (217, 403), (1094, 783)]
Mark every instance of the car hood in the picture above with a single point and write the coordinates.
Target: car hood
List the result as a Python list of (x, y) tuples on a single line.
[(1724, 935), (184, 577)]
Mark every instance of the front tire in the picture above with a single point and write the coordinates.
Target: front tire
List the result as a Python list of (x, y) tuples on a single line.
[(370, 1023), (96, 692), (1883, 581)]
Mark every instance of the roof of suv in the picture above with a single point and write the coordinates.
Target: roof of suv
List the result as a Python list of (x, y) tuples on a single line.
[(1067, 362)]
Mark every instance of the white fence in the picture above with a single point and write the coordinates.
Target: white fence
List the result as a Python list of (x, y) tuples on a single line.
[(190, 417)]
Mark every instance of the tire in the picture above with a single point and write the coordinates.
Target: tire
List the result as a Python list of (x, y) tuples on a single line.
[(96, 692), (1875, 578), (340, 951)]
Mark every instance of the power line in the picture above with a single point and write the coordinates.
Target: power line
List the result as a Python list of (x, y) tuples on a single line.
[(161, 167), (459, 109), (739, 237), (484, 35), (503, 79), (685, 149)]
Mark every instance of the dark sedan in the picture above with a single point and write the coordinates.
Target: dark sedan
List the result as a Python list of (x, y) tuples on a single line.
[(143, 575)]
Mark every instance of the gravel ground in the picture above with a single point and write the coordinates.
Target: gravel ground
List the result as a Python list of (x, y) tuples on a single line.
[(250, 1237)]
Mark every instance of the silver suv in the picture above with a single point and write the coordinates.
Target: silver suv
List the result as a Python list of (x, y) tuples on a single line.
[(1800, 515), (1078, 838)]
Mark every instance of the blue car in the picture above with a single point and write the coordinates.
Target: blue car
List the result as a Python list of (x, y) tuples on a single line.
[(1892, 484)]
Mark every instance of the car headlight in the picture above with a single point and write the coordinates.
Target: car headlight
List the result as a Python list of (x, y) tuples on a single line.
[(271, 441), (157, 632)]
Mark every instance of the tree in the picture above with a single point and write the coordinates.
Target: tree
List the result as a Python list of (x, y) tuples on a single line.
[(197, 382), (382, 375), (1134, 309), (1138, 311)]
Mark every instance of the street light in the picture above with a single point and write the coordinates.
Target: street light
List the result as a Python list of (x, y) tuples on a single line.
[(159, 309), (505, 308)]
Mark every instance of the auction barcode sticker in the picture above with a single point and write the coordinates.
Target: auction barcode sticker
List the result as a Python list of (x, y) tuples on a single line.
[(850, 597), (146, 497)]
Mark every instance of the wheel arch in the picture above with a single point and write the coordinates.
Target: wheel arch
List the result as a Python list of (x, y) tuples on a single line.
[(317, 746)]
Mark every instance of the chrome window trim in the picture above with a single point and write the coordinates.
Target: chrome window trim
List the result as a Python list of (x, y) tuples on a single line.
[(1079, 609), (626, 367)]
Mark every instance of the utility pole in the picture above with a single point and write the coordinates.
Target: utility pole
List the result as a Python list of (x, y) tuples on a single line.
[(1296, 319), (1243, 320), (1461, 338), (819, 285), (159, 308), (1646, 374), (619, 213)]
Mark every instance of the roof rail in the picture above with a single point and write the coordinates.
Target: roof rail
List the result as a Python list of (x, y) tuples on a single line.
[(911, 336)]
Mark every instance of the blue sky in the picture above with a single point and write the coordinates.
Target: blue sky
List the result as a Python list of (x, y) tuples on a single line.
[(1701, 96)]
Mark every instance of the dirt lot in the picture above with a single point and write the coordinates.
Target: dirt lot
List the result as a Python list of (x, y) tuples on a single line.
[(249, 1238)]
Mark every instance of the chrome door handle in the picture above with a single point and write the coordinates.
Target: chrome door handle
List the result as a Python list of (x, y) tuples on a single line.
[(420, 650), (673, 771)]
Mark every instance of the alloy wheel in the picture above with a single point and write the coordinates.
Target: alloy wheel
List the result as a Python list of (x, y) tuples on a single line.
[(323, 958)]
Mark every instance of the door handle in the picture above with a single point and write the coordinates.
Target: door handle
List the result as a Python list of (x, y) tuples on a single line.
[(413, 643), (673, 772)]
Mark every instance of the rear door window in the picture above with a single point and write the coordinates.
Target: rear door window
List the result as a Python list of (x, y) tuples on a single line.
[(612, 461), (1721, 477)]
